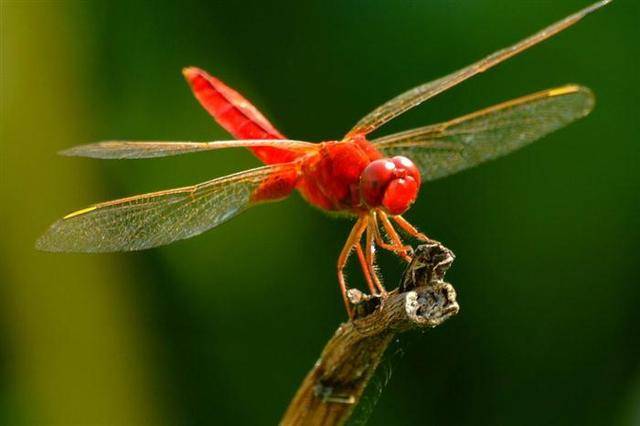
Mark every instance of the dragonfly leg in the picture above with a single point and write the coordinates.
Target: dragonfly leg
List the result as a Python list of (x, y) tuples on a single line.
[(399, 250), (365, 269), (371, 257), (410, 229), (397, 247), (352, 240)]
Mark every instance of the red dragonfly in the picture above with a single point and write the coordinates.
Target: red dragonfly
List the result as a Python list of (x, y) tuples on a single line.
[(375, 181)]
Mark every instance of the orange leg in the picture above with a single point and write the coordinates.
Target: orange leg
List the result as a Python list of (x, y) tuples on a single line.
[(365, 269), (382, 244), (353, 240), (410, 229), (398, 247), (398, 250), (371, 257)]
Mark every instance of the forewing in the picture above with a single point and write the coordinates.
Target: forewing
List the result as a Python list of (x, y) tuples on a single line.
[(417, 95), (443, 149), (159, 218), (151, 149)]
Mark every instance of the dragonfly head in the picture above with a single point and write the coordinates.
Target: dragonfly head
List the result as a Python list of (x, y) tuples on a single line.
[(391, 184)]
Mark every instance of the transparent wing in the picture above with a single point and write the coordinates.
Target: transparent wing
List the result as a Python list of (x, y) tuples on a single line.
[(158, 218), (417, 95), (152, 149), (443, 149)]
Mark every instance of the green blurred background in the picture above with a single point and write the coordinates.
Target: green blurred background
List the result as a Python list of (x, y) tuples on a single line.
[(220, 329)]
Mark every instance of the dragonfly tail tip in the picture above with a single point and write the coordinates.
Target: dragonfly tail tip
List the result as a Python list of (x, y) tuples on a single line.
[(190, 72)]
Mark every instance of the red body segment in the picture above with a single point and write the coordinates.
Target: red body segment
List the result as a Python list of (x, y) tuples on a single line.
[(330, 178), (236, 114), (278, 185)]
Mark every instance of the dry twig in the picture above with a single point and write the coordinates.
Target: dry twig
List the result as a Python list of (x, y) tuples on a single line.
[(333, 388)]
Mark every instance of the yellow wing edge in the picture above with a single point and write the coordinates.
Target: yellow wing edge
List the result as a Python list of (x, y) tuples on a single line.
[(80, 212)]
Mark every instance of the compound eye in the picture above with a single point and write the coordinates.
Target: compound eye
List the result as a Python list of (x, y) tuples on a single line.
[(374, 180), (403, 163), (399, 195)]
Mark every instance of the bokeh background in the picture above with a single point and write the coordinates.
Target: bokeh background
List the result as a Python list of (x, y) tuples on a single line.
[(220, 329)]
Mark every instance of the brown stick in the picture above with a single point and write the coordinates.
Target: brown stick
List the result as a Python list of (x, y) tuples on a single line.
[(332, 389)]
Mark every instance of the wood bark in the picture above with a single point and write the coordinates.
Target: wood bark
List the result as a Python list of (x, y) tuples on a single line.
[(333, 387)]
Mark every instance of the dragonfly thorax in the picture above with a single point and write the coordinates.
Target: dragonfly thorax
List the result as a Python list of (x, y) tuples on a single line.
[(391, 184)]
